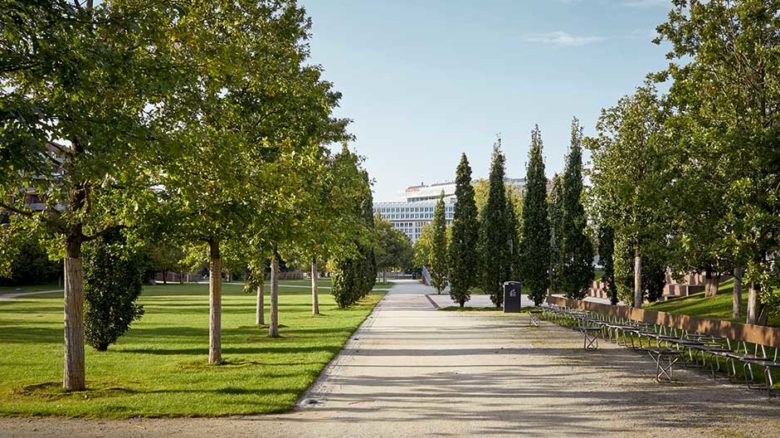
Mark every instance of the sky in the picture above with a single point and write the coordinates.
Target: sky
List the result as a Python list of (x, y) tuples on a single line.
[(427, 80)]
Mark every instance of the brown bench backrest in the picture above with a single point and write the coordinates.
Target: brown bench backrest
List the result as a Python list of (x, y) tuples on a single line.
[(754, 334)]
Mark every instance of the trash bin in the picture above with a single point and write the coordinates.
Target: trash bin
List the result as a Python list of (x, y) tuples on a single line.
[(512, 291)]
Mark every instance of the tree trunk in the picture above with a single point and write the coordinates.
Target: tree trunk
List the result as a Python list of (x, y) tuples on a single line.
[(638, 295), (736, 299), (165, 277), (273, 328), (73, 374), (753, 305), (315, 299), (260, 313), (215, 304)]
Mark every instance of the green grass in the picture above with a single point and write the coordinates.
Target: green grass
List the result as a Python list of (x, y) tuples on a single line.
[(33, 288), (698, 305), (159, 368)]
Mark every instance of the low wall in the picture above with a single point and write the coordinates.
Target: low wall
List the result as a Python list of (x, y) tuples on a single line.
[(756, 334)]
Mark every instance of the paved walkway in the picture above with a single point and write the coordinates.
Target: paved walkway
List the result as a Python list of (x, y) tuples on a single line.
[(414, 371)]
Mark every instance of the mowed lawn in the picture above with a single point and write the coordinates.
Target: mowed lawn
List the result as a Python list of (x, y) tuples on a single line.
[(159, 368), (718, 306)]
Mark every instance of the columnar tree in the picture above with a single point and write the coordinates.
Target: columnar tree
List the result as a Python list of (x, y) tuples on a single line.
[(437, 264), (77, 129), (355, 272), (463, 255), (555, 213), (576, 272), (513, 240), (535, 244), (606, 257), (493, 243)]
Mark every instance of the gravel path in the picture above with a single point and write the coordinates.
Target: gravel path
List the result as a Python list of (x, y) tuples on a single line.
[(414, 371)]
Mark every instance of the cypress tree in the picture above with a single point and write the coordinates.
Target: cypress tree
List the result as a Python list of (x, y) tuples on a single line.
[(535, 245), (555, 213), (606, 254), (355, 276), (494, 245), (438, 258), (576, 250), (513, 240), (463, 256)]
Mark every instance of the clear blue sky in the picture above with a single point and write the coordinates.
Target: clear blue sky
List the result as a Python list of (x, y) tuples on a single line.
[(426, 80)]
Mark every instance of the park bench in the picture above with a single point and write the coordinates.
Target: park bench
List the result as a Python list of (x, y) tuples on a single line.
[(751, 346)]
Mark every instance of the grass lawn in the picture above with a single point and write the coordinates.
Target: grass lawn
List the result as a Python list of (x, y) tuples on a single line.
[(698, 305), (159, 368), (33, 288)]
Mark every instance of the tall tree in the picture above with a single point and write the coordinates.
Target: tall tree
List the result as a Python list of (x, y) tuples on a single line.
[(463, 255), (576, 250), (555, 213), (606, 257), (535, 246), (725, 86), (493, 243), (437, 264), (513, 240), (632, 178), (77, 129), (355, 271)]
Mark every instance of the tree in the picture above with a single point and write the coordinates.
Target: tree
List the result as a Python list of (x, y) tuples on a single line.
[(632, 179), (535, 246), (606, 256), (513, 240), (725, 85), (112, 283), (423, 246), (493, 240), (555, 214), (394, 249), (437, 263), (463, 255), (355, 272), (75, 95), (576, 255)]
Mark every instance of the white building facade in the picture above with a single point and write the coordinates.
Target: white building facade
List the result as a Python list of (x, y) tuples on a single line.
[(411, 215)]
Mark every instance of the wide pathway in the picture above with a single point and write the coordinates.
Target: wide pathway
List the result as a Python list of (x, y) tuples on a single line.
[(414, 371)]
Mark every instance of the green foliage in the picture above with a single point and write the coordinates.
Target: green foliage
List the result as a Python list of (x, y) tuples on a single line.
[(576, 251), (113, 280), (355, 275), (512, 225), (555, 214), (493, 240), (633, 174), (624, 269), (393, 250), (725, 82), (30, 264), (536, 234), (606, 257), (423, 247), (463, 255), (437, 263)]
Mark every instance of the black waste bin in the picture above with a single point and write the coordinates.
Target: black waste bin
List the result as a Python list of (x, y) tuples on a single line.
[(512, 291)]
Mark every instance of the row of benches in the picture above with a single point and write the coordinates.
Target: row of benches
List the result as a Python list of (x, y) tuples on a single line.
[(666, 346)]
